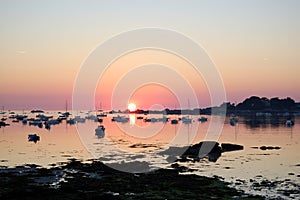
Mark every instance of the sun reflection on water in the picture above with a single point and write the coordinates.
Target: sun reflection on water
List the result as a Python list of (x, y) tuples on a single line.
[(132, 119)]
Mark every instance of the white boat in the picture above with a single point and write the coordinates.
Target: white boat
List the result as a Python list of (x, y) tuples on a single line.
[(100, 131), (120, 119), (79, 119), (163, 119), (92, 117), (186, 120), (289, 123)]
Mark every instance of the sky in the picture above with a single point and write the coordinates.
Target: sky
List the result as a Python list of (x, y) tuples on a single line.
[(255, 46)]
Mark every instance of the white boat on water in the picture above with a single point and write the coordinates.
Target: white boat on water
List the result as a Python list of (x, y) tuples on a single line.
[(186, 120), (100, 131), (120, 119), (79, 119), (289, 123)]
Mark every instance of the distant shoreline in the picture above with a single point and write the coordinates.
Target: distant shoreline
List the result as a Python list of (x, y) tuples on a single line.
[(251, 106)]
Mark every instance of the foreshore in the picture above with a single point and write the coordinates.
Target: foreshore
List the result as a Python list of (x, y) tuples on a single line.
[(78, 180)]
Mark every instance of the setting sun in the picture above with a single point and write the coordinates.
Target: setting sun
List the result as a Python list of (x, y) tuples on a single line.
[(131, 107)]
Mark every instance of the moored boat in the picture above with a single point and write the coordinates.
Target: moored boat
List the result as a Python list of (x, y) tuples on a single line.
[(100, 131)]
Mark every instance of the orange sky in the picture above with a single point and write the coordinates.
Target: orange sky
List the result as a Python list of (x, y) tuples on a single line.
[(255, 46)]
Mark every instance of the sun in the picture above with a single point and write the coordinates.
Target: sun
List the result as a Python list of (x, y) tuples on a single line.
[(131, 107)]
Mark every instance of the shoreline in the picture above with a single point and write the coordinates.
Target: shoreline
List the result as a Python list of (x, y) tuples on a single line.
[(77, 180)]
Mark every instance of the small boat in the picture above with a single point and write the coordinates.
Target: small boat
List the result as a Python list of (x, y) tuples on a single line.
[(33, 138), (233, 121), (92, 117), (202, 119), (36, 122), (37, 111), (102, 115), (47, 126), (71, 121), (43, 117), (174, 121), (289, 123), (79, 119), (100, 131), (24, 121), (186, 120), (163, 119), (3, 124), (120, 119), (20, 117), (147, 120)]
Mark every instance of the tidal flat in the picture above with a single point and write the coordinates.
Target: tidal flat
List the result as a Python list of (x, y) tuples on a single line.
[(78, 180)]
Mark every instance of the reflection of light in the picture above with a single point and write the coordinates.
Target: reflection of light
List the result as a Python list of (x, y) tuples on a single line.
[(132, 119)]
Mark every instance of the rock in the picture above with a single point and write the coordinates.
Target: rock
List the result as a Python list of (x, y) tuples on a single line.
[(202, 149), (231, 147), (270, 147), (263, 148)]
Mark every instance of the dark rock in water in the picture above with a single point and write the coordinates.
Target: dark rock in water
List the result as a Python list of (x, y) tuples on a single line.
[(231, 147), (202, 149), (209, 149), (270, 148), (205, 146), (263, 148), (215, 154)]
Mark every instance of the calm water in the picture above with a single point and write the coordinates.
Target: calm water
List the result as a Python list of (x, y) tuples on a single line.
[(140, 141)]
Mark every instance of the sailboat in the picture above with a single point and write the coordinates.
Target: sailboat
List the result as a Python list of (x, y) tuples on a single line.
[(2, 112), (66, 114), (187, 120), (102, 114), (174, 121)]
